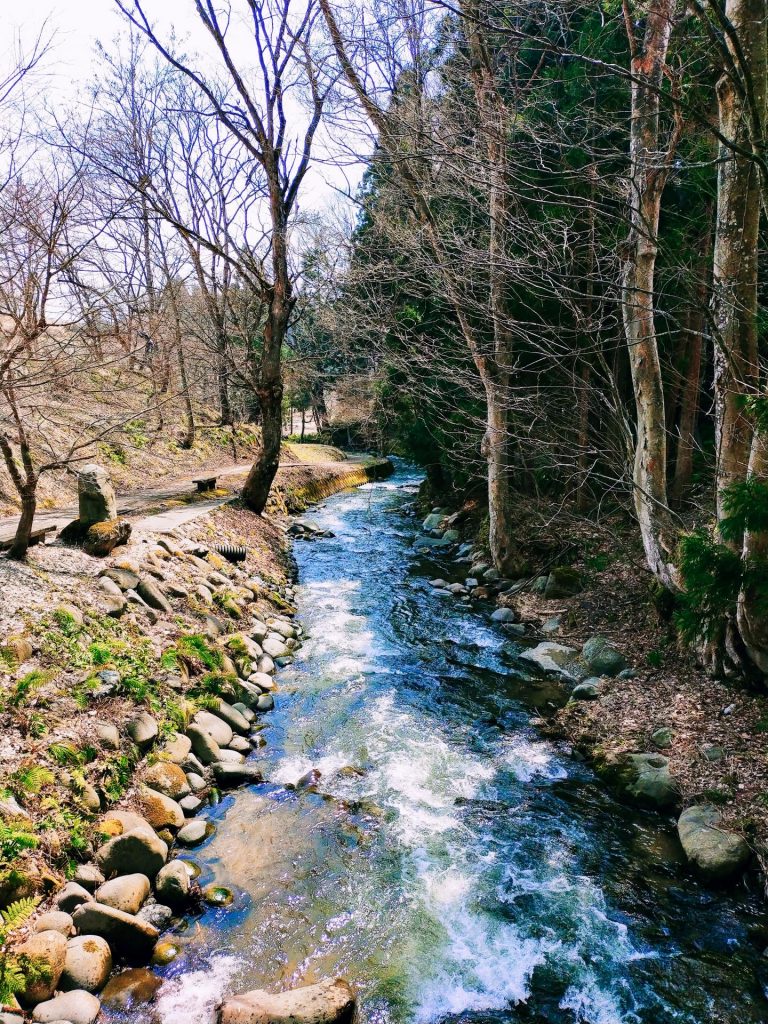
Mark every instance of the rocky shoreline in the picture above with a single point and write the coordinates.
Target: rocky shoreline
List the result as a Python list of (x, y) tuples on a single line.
[(716, 850), (181, 649)]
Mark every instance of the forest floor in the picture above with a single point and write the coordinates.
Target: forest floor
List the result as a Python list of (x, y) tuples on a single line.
[(719, 729)]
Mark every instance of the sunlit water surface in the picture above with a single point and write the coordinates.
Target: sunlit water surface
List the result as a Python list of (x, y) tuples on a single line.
[(452, 865)]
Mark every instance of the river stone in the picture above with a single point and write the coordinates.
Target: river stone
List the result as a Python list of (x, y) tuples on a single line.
[(55, 921), (176, 749), (95, 495), (192, 833), (240, 745), (125, 579), (329, 1002), (196, 782), (588, 690), (71, 896), (249, 689), (167, 778), (134, 987), (203, 744), (602, 658), (138, 851), (159, 810), (274, 647), (232, 718), (645, 779), (78, 1007), (286, 629), (88, 963), (126, 893), (49, 949), (156, 914), (266, 702), (214, 726), (172, 884), (246, 712), (107, 735), (142, 729), (228, 756), (713, 852), (266, 665), (152, 595), (111, 588), (550, 657), (128, 935), (504, 615), (190, 805), (89, 876), (117, 821), (258, 630), (228, 774)]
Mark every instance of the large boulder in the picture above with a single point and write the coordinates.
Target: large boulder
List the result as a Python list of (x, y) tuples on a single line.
[(142, 729), (78, 1007), (204, 746), (715, 853), (126, 893), (127, 935), (47, 951), (159, 810), (88, 963), (95, 495), (329, 1002), (645, 779), (602, 658), (168, 778), (139, 851), (551, 658), (215, 726)]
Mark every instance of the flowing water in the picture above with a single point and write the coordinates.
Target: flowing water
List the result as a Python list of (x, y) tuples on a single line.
[(451, 864)]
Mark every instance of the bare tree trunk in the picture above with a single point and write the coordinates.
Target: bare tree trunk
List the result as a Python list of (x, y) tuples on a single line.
[(25, 485), (20, 545), (649, 171), (270, 389)]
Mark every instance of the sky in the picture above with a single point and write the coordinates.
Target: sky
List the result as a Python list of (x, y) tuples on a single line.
[(76, 25)]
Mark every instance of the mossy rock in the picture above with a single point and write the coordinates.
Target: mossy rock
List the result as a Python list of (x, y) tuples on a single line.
[(562, 582), (15, 651)]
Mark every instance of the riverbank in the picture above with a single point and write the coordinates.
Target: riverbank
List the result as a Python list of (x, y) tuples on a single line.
[(706, 736), (108, 667)]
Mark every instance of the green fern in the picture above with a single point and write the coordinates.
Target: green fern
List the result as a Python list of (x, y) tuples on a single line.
[(27, 686), (64, 754), (18, 913), (15, 971), (30, 779), (13, 842)]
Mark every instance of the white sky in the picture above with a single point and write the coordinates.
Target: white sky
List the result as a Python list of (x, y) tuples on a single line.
[(77, 24)]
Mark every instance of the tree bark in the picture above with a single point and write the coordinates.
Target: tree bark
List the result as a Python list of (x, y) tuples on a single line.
[(734, 289), (649, 171), (20, 545)]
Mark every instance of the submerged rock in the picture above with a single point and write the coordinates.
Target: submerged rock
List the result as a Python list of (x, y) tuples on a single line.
[(134, 987), (715, 853), (329, 1002)]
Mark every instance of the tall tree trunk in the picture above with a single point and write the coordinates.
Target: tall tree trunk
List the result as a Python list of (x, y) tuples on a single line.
[(270, 389), (20, 545), (736, 306), (734, 289), (649, 170), (690, 391)]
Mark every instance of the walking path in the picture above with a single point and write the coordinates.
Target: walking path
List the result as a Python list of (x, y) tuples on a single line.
[(132, 503)]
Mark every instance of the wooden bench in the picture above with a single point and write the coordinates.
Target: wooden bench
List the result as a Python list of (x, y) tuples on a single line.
[(204, 483), (36, 537)]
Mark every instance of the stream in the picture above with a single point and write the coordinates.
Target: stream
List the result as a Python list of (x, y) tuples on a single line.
[(451, 864)]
